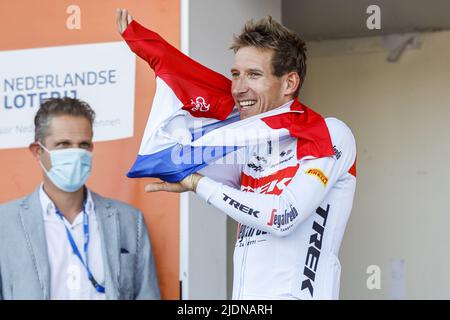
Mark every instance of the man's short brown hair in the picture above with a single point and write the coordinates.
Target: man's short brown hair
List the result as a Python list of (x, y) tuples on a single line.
[(289, 50), (53, 107)]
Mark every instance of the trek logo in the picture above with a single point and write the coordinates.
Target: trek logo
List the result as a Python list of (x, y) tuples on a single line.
[(240, 206), (313, 255), (199, 104), (337, 152), (282, 219), (268, 187)]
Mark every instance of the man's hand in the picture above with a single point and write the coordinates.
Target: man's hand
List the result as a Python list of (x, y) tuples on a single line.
[(187, 184), (123, 19)]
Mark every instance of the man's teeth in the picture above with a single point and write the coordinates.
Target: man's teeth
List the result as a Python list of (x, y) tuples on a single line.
[(247, 103)]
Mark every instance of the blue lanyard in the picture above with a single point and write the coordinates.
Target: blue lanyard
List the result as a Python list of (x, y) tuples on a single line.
[(91, 278)]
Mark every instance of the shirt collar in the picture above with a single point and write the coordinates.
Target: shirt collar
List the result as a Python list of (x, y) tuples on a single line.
[(286, 105), (49, 208)]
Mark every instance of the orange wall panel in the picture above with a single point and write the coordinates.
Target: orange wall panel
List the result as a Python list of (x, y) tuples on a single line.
[(35, 24)]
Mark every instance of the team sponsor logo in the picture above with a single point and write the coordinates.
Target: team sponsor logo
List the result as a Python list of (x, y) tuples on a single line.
[(280, 220), (199, 105), (285, 156), (285, 153), (240, 206), (272, 184), (319, 174), (281, 162), (313, 254), (258, 164), (278, 184), (262, 159), (337, 153), (245, 232), (255, 167)]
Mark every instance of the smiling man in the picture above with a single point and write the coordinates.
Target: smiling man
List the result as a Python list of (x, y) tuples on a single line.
[(292, 197), (64, 241), (257, 84)]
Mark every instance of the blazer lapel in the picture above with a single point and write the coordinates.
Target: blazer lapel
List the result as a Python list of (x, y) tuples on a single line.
[(30, 213), (108, 226)]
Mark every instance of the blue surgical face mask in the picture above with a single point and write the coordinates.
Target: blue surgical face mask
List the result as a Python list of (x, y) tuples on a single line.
[(70, 168)]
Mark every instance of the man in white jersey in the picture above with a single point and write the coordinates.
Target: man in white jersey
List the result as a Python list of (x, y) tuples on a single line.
[(292, 198)]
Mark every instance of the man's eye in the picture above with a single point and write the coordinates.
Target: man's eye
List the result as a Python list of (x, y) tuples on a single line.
[(63, 145), (253, 75), (235, 74)]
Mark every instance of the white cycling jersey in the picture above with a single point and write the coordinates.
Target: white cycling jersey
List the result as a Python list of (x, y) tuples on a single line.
[(292, 215)]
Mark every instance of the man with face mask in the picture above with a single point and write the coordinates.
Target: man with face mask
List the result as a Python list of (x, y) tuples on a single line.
[(64, 241)]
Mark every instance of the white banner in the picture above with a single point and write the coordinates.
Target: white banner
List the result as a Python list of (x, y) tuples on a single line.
[(101, 74)]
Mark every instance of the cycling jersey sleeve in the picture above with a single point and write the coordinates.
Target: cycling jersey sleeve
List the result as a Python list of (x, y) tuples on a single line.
[(308, 188), (227, 174), (226, 170)]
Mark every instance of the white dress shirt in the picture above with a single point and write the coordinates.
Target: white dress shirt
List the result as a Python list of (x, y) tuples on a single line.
[(68, 276)]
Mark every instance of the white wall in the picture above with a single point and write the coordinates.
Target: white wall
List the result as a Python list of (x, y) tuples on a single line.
[(207, 34), (399, 113)]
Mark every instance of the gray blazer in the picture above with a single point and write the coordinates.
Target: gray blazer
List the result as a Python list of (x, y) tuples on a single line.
[(24, 266)]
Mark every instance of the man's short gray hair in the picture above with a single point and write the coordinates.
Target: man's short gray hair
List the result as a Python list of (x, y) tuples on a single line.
[(59, 107)]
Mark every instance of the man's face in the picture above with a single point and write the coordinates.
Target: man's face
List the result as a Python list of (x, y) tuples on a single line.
[(67, 132), (254, 87)]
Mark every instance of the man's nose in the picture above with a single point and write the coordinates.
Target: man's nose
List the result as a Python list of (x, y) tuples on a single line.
[(239, 86)]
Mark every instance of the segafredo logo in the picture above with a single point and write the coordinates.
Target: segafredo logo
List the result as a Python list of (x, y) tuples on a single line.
[(280, 220), (199, 104), (244, 232)]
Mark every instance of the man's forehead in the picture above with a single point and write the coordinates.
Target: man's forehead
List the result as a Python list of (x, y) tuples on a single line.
[(68, 121), (252, 58), (66, 127)]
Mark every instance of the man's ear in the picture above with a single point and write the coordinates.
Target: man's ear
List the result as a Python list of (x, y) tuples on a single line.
[(35, 150), (292, 82)]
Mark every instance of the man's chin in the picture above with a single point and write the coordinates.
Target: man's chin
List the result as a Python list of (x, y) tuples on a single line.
[(244, 114)]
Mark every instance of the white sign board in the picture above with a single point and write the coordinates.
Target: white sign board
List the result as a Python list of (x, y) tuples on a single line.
[(101, 74)]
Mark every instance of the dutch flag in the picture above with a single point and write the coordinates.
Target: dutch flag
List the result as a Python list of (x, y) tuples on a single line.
[(193, 121)]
